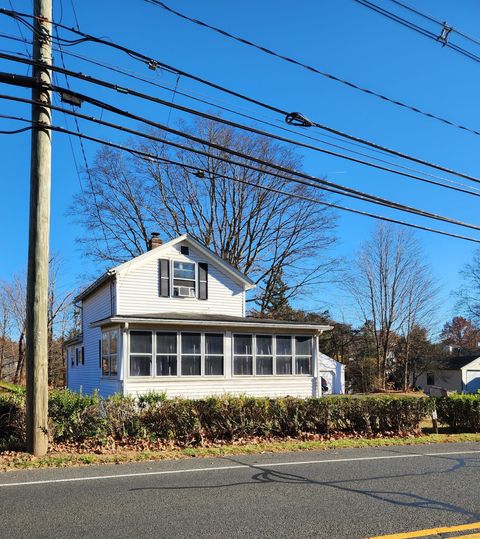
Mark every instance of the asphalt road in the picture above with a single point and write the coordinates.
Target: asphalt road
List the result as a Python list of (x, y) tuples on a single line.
[(353, 493)]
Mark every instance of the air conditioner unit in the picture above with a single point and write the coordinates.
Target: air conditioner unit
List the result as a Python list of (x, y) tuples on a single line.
[(185, 291)]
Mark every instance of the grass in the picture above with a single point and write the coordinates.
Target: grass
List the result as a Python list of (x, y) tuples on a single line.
[(21, 461), (6, 387)]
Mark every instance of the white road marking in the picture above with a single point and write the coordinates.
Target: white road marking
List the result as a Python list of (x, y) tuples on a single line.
[(236, 467)]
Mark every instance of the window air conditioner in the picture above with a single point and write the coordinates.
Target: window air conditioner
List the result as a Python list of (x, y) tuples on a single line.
[(185, 291)]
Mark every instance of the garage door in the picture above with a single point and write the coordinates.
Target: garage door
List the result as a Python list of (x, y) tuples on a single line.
[(473, 381)]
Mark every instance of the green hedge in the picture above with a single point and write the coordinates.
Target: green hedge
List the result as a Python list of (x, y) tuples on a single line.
[(460, 412), (77, 418)]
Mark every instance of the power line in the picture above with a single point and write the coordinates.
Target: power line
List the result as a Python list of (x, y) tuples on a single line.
[(153, 64), (284, 172), (129, 91), (442, 37), (151, 157), (312, 69)]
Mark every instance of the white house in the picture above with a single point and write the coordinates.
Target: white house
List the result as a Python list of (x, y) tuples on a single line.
[(461, 374), (173, 320)]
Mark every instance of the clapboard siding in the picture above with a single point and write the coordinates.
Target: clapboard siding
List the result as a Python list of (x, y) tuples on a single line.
[(87, 378), (138, 289), (273, 386)]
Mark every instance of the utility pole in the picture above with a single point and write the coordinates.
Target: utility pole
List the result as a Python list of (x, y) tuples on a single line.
[(39, 231)]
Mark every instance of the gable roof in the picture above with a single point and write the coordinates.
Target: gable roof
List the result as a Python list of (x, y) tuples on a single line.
[(235, 274), (453, 362)]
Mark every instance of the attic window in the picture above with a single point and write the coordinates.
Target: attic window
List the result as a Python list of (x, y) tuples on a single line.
[(184, 250), (184, 279)]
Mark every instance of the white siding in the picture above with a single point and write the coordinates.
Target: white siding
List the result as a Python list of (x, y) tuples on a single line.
[(138, 290), (258, 386), (87, 378), (451, 380)]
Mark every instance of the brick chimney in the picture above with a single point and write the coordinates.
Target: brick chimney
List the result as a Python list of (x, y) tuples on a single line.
[(154, 241)]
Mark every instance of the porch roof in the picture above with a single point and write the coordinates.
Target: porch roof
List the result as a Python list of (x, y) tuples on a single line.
[(217, 320)]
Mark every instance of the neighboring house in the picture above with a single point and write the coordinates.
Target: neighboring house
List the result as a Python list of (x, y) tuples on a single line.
[(461, 374), (173, 320), (332, 375)]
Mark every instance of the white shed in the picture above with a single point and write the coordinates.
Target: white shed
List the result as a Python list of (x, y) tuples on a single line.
[(454, 373), (333, 375)]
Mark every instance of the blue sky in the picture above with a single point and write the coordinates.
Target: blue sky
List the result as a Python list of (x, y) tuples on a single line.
[(340, 37)]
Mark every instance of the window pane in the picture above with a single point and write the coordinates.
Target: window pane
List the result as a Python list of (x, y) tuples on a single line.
[(303, 346), (243, 365), (105, 365), (140, 365), (105, 343), (303, 365), (190, 343), (141, 342), (214, 344), (113, 342), (284, 365), (166, 343), (264, 365), (214, 365), (264, 345), (184, 270), (113, 364), (191, 365), (166, 365), (242, 344), (284, 346)]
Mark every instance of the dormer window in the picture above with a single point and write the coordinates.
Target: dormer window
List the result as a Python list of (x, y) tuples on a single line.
[(184, 279)]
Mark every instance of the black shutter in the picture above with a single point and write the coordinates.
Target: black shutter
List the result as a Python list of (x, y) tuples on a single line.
[(83, 355), (202, 280), (100, 353), (164, 280)]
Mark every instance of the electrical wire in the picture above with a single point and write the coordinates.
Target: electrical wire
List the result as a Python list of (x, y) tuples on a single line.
[(427, 33), (312, 69), (284, 172), (456, 186), (151, 157), (153, 63)]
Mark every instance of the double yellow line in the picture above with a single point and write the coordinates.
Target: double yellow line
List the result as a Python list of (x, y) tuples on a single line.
[(436, 531)]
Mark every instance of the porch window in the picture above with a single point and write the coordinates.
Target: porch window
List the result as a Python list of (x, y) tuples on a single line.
[(283, 358), (264, 354), (191, 354), (303, 355), (242, 355), (109, 353), (140, 353), (184, 279), (214, 354), (166, 354)]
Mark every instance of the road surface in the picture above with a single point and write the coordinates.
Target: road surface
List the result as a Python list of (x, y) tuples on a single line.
[(349, 493)]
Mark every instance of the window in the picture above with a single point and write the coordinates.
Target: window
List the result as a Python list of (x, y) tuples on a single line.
[(430, 379), (303, 355), (191, 354), (242, 355), (283, 357), (166, 354), (184, 250), (140, 353), (214, 354), (184, 354), (76, 357), (184, 279), (109, 353), (264, 354)]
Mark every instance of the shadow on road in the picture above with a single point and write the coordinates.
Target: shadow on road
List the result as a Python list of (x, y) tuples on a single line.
[(264, 476)]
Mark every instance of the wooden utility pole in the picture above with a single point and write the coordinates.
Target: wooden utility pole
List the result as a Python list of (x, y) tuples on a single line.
[(39, 231)]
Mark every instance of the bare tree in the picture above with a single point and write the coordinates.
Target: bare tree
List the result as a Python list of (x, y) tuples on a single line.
[(260, 231), (393, 289), (15, 295), (469, 293)]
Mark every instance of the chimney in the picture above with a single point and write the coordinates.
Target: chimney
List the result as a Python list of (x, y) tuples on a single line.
[(154, 241)]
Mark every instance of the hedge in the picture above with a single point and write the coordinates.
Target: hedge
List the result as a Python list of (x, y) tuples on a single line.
[(460, 412), (77, 418)]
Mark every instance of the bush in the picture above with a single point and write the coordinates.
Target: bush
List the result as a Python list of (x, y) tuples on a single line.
[(77, 418), (460, 412), (12, 421)]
